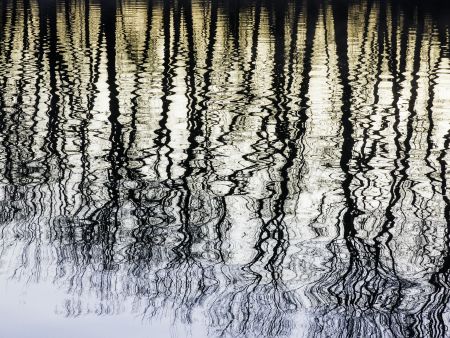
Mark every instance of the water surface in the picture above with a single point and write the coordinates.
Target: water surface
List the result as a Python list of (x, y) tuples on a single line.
[(225, 168)]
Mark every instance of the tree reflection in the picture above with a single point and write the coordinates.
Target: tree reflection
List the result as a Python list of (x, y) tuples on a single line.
[(257, 161)]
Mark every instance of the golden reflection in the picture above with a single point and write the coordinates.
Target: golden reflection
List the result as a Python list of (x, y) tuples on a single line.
[(261, 161)]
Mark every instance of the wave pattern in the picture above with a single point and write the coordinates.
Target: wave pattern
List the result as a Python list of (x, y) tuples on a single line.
[(279, 167)]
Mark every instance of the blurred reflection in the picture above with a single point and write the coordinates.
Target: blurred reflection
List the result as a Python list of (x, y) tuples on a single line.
[(279, 166)]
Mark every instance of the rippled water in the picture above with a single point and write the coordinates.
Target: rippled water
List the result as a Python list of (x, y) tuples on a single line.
[(224, 168)]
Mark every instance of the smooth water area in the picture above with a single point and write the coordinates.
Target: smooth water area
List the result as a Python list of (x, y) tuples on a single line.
[(224, 168)]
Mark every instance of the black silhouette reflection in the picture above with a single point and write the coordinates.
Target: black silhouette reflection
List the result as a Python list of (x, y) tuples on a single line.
[(279, 166)]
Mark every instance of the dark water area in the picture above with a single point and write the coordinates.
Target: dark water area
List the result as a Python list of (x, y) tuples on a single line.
[(224, 168)]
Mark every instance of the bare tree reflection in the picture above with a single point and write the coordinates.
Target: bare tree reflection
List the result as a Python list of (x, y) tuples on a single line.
[(279, 167)]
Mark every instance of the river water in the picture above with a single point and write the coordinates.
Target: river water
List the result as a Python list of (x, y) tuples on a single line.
[(224, 168)]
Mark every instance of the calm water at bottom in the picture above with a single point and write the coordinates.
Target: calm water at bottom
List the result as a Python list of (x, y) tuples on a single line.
[(232, 168)]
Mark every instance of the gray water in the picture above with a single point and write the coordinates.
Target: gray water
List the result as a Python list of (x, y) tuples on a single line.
[(227, 168)]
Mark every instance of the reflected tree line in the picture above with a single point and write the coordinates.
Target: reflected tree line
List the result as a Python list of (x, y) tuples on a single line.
[(280, 165)]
